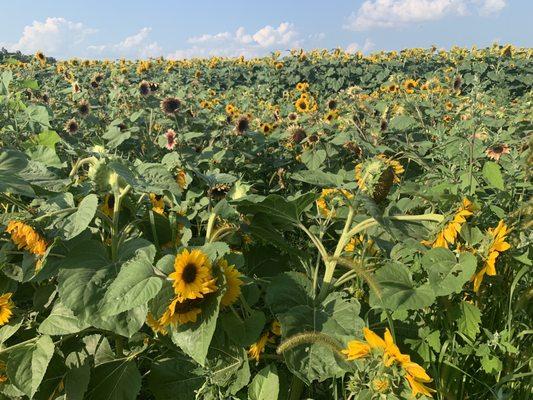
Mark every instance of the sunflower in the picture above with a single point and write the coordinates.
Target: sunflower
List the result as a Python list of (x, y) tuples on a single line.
[(392, 88), (158, 204), (266, 128), (356, 349), (329, 199), (71, 126), (297, 134), (380, 385), (497, 245), (233, 283), (181, 312), (219, 191), (449, 234), (302, 105), (230, 109), (84, 108), (41, 58), (6, 307), (331, 115), (302, 86), (25, 237), (170, 105), (155, 324), (258, 347), (457, 83), (496, 151), (292, 116), (144, 88), (332, 104), (192, 277), (181, 179), (170, 136), (377, 175), (410, 85), (108, 205), (242, 125)]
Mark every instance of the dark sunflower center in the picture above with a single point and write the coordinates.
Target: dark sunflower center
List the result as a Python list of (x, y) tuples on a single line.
[(497, 149), (111, 201), (189, 273)]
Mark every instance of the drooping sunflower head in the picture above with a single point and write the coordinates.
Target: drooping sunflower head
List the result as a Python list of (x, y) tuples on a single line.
[(192, 278), (376, 176), (233, 283), (26, 237), (144, 88), (6, 308), (170, 105), (156, 324), (108, 205), (219, 191), (84, 108), (71, 126)]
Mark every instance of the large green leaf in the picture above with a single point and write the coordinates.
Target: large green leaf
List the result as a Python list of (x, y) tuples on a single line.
[(194, 338), (134, 285), (265, 385), (395, 290), (244, 331), (446, 274), (289, 290), (27, 365), (168, 377), (493, 175), (77, 222), (61, 321), (77, 382), (117, 380), (337, 318), (468, 318)]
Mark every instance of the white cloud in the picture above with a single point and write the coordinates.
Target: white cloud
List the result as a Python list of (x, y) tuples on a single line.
[(491, 7), (239, 43), (56, 37), (135, 46), (355, 47), (398, 13)]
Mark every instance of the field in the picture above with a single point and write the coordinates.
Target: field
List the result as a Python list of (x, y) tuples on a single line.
[(321, 225)]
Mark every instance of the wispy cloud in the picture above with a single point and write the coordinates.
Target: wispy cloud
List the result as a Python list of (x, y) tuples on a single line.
[(138, 45)]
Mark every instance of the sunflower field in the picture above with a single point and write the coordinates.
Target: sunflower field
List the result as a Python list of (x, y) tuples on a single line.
[(318, 225)]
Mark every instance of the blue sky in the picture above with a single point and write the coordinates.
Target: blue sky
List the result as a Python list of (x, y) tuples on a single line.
[(182, 29)]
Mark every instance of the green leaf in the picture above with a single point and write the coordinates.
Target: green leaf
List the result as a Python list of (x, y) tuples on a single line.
[(313, 159), (245, 331), (77, 382), (265, 385), (319, 178), (27, 365), (446, 274), (115, 136), (48, 139), (468, 318), (46, 155), (397, 290), (276, 206), (289, 290), (61, 321), (337, 318), (493, 175), (402, 122), (77, 222), (168, 377), (8, 330), (12, 161), (117, 380), (135, 284), (194, 338)]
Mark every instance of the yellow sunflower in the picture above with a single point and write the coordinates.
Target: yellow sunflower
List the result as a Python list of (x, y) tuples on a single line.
[(155, 324), (158, 204), (180, 312), (266, 128), (192, 277), (329, 198), (181, 179), (6, 308), (258, 347), (233, 283), (25, 237), (302, 105), (449, 234), (498, 245), (331, 115), (302, 86), (108, 205), (230, 109), (410, 85)]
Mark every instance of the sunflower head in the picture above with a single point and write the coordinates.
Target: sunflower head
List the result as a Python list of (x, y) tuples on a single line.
[(84, 108), (242, 125), (410, 85), (376, 176), (6, 308), (144, 88), (108, 205), (170, 105), (233, 283), (71, 126), (332, 104), (219, 191), (302, 105), (192, 278), (266, 128)]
